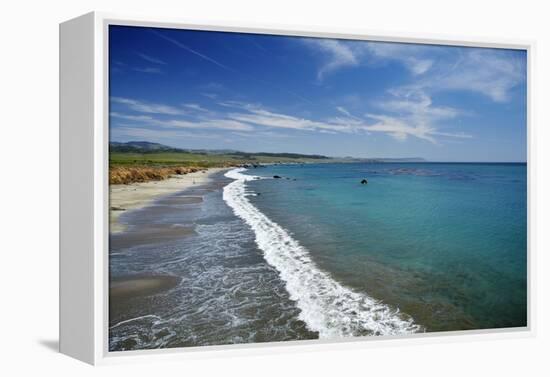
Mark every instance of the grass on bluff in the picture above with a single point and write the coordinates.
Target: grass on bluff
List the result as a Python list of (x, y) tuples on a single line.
[(196, 159), (167, 159), (130, 167)]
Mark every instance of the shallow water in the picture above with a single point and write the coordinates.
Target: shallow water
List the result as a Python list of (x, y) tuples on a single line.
[(421, 247), (227, 293), (444, 243)]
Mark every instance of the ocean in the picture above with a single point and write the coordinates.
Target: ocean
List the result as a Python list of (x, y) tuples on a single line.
[(421, 247)]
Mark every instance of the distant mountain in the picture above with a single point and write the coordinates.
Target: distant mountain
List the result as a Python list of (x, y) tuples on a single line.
[(141, 147), (148, 147)]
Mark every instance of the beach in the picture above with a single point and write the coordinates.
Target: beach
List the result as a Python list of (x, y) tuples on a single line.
[(126, 288), (185, 271), (137, 195)]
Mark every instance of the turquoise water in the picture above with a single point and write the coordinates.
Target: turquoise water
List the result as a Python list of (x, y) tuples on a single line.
[(421, 247), (445, 244)]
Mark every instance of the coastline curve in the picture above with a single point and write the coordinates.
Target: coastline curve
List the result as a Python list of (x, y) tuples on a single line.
[(326, 306)]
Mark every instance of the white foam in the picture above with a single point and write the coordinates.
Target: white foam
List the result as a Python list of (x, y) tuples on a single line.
[(325, 305), (155, 317)]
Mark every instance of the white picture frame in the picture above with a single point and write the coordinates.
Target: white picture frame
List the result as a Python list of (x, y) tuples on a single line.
[(84, 190)]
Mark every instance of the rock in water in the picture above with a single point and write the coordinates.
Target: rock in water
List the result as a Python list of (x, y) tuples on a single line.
[(277, 176), (364, 182)]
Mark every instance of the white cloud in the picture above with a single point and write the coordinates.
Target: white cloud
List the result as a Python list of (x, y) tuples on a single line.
[(410, 117), (131, 117), (199, 118), (151, 59), (145, 107), (210, 95), (339, 55), (405, 115), (342, 54), (267, 134), (410, 55), (418, 104), (194, 106), (267, 118), (399, 129), (346, 121), (343, 110), (493, 73), (222, 124), (148, 70), (490, 72), (134, 132), (413, 115), (189, 49)]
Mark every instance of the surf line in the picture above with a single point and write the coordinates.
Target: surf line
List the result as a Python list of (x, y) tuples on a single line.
[(326, 306)]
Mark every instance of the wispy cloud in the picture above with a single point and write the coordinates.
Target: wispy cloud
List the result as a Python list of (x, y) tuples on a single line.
[(400, 117), (410, 55), (344, 111), (194, 106), (222, 124), (343, 54), (492, 73), (210, 95), (148, 70), (266, 134), (141, 118), (145, 107), (230, 69), (338, 55), (192, 51), (398, 129), (167, 116), (413, 115), (133, 132), (417, 103), (267, 118), (151, 59)]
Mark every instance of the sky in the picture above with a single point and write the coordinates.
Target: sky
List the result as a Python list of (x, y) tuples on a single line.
[(266, 93)]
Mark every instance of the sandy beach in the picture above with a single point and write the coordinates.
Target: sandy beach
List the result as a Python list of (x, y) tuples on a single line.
[(157, 197), (137, 195), (140, 285)]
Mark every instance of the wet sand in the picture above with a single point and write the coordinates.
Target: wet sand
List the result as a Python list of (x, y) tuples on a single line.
[(140, 285), (137, 195), (130, 292), (147, 235), (152, 200), (226, 292)]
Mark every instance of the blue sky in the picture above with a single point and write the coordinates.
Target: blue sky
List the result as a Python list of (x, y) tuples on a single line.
[(249, 92)]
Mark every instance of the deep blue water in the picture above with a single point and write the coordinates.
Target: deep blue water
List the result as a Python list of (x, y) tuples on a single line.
[(443, 243)]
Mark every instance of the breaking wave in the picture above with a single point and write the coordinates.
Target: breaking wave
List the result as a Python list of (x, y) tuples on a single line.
[(326, 306)]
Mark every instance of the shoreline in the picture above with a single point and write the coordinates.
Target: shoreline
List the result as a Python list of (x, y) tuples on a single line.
[(132, 196), (328, 307)]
